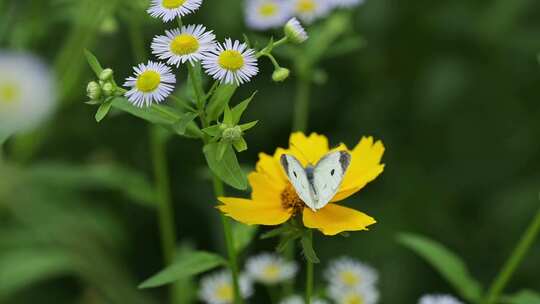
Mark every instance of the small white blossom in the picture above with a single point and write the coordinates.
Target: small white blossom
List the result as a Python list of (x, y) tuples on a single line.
[(311, 10), (346, 3), (270, 269), (348, 273), (217, 288), (438, 299), (169, 10), (296, 299), (295, 32), (153, 82), (267, 14), (231, 63), (358, 295)]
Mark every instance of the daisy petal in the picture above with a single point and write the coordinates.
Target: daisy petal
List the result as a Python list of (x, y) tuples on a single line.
[(334, 219), (254, 212)]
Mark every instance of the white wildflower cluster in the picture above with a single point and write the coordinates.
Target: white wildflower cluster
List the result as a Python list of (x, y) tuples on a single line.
[(268, 14), (217, 288), (438, 299), (270, 269), (350, 281)]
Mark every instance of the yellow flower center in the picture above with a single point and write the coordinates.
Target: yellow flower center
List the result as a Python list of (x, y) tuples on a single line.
[(349, 278), (268, 9), (148, 81), (184, 44), (9, 93), (354, 299), (231, 60), (305, 6), (271, 272), (225, 293), (291, 201), (171, 4)]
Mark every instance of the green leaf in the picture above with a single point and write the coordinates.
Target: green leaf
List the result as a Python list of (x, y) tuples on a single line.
[(227, 169), (239, 109), (227, 116), (184, 267), (286, 239), (307, 248), (243, 235), (275, 232), (181, 126), (221, 98), (93, 62), (240, 145), (248, 125), (523, 297), (214, 131), (222, 147), (447, 263), (103, 110)]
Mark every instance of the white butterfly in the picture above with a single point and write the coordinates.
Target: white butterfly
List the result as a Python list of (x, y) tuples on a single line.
[(317, 185)]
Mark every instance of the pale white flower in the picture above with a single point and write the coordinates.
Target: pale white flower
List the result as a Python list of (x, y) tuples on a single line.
[(295, 32), (359, 295), (296, 299), (268, 268), (349, 273), (27, 92), (346, 3), (231, 62), (267, 14), (310, 10), (153, 82), (169, 10), (217, 288), (438, 299), (189, 43)]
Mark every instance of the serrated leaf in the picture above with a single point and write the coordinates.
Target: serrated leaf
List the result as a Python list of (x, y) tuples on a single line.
[(187, 266), (447, 263), (227, 169), (221, 98), (307, 249), (523, 297), (103, 110), (93, 62), (239, 109), (249, 125), (243, 235)]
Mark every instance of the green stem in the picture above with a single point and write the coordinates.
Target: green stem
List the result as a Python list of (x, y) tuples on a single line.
[(288, 286), (309, 274), (229, 240), (301, 105), (514, 261)]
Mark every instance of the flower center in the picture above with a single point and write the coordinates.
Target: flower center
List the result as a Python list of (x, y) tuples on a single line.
[(148, 81), (171, 4), (271, 272), (224, 293), (268, 9), (184, 44), (305, 6), (349, 278), (9, 93), (231, 60), (290, 200), (353, 299)]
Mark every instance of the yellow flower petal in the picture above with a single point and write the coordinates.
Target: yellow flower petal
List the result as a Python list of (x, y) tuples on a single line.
[(265, 189), (308, 150), (254, 212), (270, 166), (334, 219), (365, 167)]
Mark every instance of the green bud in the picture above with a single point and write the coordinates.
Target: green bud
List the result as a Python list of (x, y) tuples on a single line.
[(280, 74), (108, 89), (232, 134), (93, 90), (295, 32), (106, 75)]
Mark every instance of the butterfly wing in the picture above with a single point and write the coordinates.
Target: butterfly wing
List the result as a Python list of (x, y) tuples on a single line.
[(328, 175), (298, 178)]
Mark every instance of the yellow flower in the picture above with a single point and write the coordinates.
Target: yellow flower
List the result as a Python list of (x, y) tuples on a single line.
[(274, 200)]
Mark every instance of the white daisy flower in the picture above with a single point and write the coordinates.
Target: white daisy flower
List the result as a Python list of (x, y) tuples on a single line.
[(217, 288), (349, 273), (296, 299), (189, 43), (267, 14), (270, 269), (358, 295), (171, 9), (438, 299), (153, 82), (231, 62), (310, 10), (295, 32), (27, 92), (346, 3)]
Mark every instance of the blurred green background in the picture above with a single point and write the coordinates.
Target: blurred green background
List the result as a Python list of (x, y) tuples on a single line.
[(451, 87)]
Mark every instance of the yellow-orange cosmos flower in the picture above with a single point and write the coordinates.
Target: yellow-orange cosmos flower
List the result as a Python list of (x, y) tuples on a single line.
[(274, 200)]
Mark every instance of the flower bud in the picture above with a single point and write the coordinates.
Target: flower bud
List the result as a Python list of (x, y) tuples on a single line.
[(295, 32), (232, 134), (93, 90), (106, 75), (108, 89), (280, 74)]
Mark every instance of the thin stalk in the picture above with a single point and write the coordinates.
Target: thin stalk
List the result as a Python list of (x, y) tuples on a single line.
[(309, 274), (301, 104), (229, 240), (288, 286), (514, 261)]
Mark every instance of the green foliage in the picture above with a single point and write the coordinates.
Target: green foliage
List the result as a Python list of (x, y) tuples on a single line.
[(447, 263), (93, 62), (103, 110), (219, 100), (184, 267), (523, 297), (225, 167), (242, 235)]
